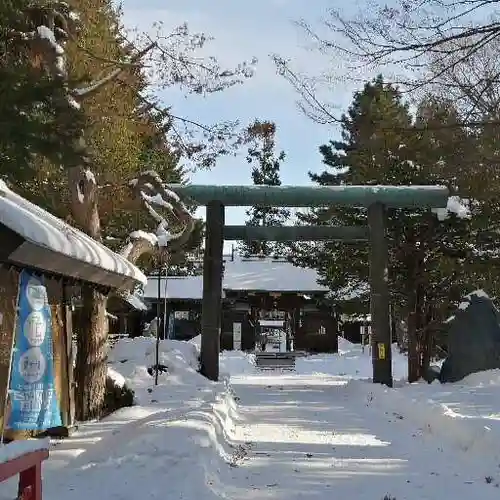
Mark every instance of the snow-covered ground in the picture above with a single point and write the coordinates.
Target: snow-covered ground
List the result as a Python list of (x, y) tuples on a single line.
[(322, 432), (352, 361)]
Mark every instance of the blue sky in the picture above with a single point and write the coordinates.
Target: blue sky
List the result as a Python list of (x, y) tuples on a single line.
[(243, 30)]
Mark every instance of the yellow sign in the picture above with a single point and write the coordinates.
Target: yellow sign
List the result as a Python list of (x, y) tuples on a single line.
[(381, 351)]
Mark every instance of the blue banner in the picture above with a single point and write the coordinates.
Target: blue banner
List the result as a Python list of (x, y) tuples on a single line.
[(33, 398)]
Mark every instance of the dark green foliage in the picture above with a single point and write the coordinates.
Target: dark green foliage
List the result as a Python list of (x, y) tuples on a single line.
[(30, 101), (265, 170), (428, 257)]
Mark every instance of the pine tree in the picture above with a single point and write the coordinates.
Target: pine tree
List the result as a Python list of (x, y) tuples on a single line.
[(99, 143), (380, 146), (367, 153), (28, 107), (265, 171)]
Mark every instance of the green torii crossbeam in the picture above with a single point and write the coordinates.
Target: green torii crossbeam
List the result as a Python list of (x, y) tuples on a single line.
[(375, 198), (314, 196), (296, 233)]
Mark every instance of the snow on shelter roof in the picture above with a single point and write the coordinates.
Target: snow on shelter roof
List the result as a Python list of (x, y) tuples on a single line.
[(176, 287), (269, 274), (240, 274), (45, 235)]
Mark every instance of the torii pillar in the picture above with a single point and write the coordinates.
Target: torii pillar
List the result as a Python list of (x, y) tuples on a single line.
[(212, 290)]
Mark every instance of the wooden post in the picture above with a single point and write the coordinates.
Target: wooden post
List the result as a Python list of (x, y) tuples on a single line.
[(30, 483), (212, 290), (29, 468), (379, 296), (332, 323), (70, 355), (65, 396)]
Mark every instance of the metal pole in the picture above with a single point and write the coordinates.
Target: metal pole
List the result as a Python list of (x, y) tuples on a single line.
[(158, 313), (165, 305)]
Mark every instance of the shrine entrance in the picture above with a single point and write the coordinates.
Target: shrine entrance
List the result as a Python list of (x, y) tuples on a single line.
[(376, 199)]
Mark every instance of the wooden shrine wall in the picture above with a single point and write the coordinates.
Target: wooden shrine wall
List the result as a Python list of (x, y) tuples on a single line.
[(9, 281), (60, 337), (229, 318), (318, 332)]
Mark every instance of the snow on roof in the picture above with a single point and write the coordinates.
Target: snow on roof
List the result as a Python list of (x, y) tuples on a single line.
[(242, 274), (466, 302), (270, 275), (43, 229), (176, 287), (271, 322), (134, 301)]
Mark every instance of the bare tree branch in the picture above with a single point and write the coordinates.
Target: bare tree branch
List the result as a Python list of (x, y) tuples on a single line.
[(93, 87), (402, 40)]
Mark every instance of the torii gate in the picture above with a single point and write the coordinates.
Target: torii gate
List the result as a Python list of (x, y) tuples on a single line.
[(375, 198)]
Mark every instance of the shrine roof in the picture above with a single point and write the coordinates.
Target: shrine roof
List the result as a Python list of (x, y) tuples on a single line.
[(240, 274)]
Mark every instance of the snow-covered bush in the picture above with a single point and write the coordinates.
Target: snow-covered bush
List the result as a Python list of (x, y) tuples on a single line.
[(118, 394)]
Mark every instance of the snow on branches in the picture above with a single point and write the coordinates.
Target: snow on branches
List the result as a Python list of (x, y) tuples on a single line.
[(455, 205), (167, 209)]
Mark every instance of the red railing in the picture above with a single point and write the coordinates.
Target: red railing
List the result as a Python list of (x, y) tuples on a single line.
[(29, 467)]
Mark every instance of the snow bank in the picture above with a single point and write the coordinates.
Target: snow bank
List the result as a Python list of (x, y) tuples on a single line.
[(142, 349), (184, 427), (178, 432), (237, 363), (466, 413), (196, 341), (185, 453), (346, 346), (232, 362), (131, 359), (351, 362)]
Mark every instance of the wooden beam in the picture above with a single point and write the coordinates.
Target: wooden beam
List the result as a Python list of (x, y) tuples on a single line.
[(379, 296), (212, 291), (316, 196), (296, 233)]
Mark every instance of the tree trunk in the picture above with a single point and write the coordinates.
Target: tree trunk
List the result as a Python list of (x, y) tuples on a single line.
[(91, 354), (416, 308), (427, 339), (415, 333), (413, 350), (90, 372), (91, 359)]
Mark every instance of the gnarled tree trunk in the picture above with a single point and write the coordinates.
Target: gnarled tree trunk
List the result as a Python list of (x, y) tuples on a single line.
[(91, 360)]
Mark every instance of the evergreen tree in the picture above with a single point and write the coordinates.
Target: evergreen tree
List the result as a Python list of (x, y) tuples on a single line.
[(29, 104), (427, 255), (76, 92), (265, 171)]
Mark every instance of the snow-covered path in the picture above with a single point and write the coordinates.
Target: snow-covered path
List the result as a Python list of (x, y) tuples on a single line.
[(323, 432), (316, 437)]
